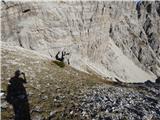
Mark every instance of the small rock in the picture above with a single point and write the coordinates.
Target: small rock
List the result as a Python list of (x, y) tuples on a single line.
[(51, 114), (44, 97), (4, 105), (71, 112), (37, 117), (84, 113), (37, 109)]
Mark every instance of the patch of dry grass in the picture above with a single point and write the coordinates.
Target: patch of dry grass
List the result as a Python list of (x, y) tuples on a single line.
[(46, 78)]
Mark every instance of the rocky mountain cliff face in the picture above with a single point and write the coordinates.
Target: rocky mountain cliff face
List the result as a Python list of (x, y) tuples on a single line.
[(114, 39)]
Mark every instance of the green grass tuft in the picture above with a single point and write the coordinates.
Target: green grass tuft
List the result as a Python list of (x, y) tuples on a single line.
[(59, 63)]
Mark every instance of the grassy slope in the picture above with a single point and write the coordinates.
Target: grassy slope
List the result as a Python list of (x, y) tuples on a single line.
[(45, 78)]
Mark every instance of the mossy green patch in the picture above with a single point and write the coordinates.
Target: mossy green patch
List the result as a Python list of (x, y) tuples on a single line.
[(59, 63)]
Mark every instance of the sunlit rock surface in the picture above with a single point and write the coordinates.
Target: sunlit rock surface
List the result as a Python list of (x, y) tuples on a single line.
[(114, 39)]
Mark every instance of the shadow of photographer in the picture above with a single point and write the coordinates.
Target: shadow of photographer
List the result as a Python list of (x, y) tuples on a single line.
[(17, 96)]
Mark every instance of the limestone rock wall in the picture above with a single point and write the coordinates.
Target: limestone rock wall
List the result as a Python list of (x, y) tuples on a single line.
[(114, 39)]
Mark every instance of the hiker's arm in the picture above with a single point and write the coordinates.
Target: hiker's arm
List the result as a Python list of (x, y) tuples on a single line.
[(25, 81), (57, 56)]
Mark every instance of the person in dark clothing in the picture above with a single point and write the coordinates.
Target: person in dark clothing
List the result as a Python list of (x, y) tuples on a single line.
[(17, 96), (60, 58), (64, 55), (57, 57)]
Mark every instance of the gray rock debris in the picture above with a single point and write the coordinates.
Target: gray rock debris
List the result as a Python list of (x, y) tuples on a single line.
[(117, 103)]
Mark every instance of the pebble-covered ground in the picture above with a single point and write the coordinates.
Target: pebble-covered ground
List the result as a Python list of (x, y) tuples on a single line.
[(57, 93), (121, 103)]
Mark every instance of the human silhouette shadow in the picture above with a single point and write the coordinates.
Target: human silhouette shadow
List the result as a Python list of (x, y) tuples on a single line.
[(17, 96)]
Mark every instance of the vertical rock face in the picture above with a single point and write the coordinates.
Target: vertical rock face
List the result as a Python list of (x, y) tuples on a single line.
[(114, 39)]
